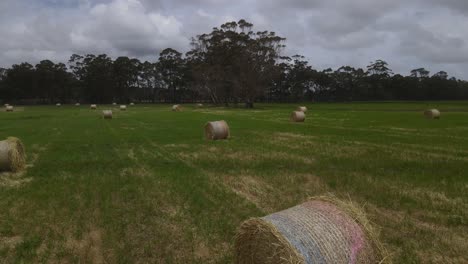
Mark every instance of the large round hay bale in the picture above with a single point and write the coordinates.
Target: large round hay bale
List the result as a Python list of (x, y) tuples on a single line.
[(77, 104), (217, 130), (58, 104), (123, 108), (9, 108), (176, 108), (302, 109), (107, 114), (432, 113), (322, 230), (298, 116), (12, 155), (93, 107)]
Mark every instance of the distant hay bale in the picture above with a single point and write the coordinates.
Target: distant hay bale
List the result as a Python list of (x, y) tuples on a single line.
[(77, 104), (199, 105), (217, 130), (302, 109), (58, 104), (9, 108), (321, 230), (432, 113), (176, 108), (298, 116), (12, 155), (107, 114), (6, 105), (114, 103), (132, 104), (93, 107), (123, 108)]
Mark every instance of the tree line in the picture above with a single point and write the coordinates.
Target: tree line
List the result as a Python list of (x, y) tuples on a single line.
[(230, 65)]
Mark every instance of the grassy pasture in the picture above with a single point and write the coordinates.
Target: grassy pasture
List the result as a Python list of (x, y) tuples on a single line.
[(145, 187)]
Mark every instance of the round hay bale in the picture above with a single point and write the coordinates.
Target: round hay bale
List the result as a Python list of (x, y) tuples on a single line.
[(6, 105), (114, 103), (176, 108), (77, 104), (123, 108), (321, 230), (12, 155), (298, 116), (93, 107), (199, 105), (302, 109), (58, 105), (132, 104), (107, 114), (9, 108), (217, 130), (432, 113)]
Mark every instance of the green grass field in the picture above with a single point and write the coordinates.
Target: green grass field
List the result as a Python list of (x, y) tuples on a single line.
[(146, 187)]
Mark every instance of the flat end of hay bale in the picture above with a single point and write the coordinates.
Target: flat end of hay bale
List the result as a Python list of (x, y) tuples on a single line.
[(15, 154), (176, 108), (107, 114), (297, 116), (9, 108), (432, 113), (217, 130), (123, 107), (321, 230)]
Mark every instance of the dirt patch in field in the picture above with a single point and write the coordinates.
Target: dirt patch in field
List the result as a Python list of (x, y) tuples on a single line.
[(89, 248)]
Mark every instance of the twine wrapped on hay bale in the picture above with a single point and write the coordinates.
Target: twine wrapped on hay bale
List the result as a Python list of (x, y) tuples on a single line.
[(9, 108), (107, 114), (298, 116), (93, 107), (12, 155), (123, 108), (302, 109), (176, 108), (432, 113), (321, 230), (217, 130)]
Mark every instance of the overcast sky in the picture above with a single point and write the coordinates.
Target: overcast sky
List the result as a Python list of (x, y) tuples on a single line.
[(407, 34)]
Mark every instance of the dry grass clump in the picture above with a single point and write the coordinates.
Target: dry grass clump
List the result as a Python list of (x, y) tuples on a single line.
[(177, 108), (302, 109), (93, 107), (298, 116), (321, 230), (432, 113), (12, 155), (123, 108), (107, 114), (217, 130), (9, 108)]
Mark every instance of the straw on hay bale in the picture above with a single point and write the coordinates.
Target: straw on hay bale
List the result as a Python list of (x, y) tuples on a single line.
[(12, 155), (176, 108), (123, 108), (321, 230), (217, 130), (302, 109), (298, 116), (432, 113), (9, 108), (93, 106), (107, 114)]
